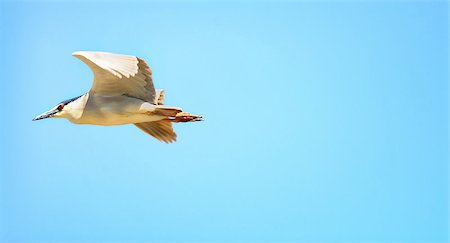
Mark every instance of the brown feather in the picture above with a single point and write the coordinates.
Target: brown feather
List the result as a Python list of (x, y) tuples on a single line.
[(161, 130)]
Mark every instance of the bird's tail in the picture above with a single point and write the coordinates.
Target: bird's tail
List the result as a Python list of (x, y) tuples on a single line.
[(170, 111), (159, 97), (163, 130), (174, 114)]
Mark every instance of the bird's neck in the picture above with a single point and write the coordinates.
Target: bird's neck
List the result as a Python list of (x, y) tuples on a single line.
[(76, 108)]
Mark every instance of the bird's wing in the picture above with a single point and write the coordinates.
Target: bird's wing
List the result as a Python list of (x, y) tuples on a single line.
[(161, 130), (116, 74)]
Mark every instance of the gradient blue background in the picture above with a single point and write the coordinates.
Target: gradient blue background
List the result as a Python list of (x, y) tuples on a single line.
[(325, 122)]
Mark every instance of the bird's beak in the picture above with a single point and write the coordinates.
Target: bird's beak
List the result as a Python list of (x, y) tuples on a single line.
[(47, 114)]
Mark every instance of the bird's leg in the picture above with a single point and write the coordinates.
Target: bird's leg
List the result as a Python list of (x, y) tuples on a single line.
[(184, 117), (160, 110)]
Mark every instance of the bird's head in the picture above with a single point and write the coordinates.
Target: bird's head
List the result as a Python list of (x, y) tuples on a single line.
[(64, 109)]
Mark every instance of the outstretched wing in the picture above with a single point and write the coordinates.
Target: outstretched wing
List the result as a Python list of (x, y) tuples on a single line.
[(116, 74), (161, 130)]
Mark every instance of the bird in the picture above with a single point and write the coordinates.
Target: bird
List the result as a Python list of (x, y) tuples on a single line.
[(122, 93)]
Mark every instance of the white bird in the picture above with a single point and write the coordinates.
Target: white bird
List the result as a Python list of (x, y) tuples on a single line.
[(122, 93)]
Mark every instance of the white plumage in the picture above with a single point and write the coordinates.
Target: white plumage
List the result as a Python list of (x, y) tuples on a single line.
[(122, 93)]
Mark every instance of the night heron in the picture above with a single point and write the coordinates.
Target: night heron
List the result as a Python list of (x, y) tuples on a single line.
[(122, 93)]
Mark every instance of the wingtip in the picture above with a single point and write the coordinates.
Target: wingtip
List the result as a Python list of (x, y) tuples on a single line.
[(76, 53)]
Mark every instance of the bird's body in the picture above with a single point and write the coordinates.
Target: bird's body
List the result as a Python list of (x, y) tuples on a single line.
[(113, 110), (122, 93)]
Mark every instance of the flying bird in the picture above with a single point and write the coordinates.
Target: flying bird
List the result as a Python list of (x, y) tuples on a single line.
[(122, 93)]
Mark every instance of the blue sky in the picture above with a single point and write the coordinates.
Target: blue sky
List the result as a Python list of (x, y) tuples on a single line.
[(325, 122)]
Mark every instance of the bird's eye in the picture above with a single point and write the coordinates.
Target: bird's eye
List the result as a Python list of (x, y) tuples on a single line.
[(60, 107)]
